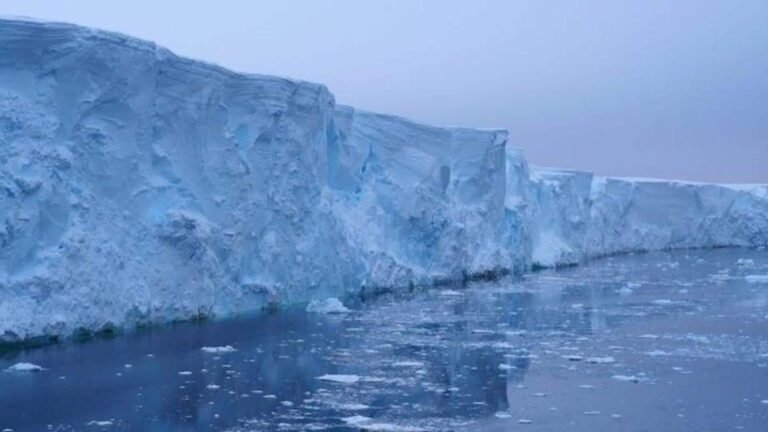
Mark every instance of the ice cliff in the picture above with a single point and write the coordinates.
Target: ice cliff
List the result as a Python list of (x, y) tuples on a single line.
[(578, 216), (137, 187)]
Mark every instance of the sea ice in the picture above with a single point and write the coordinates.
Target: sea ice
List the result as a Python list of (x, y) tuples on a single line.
[(218, 349), (24, 367), (328, 306), (343, 379)]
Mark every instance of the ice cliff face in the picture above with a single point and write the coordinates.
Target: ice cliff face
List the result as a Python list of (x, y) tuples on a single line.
[(138, 187), (578, 216), (423, 204)]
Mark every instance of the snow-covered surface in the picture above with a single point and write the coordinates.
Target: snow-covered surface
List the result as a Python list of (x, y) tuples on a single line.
[(140, 187)]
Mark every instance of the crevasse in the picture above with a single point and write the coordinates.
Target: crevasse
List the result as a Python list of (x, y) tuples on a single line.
[(138, 187)]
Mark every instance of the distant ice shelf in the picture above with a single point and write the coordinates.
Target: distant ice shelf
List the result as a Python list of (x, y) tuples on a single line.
[(141, 187)]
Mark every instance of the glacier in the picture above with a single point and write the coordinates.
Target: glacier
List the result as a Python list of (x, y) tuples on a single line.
[(141, 187)]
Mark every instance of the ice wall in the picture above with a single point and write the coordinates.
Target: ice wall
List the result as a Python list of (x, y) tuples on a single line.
[(140, 187), (578, 216), (422, 203)]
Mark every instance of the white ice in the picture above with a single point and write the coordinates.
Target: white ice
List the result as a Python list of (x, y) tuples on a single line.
[(143, 187)]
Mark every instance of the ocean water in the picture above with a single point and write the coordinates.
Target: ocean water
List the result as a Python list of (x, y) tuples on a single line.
[(660, 342)]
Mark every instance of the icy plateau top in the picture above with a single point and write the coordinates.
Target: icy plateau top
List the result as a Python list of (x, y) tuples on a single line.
[(139, 187)]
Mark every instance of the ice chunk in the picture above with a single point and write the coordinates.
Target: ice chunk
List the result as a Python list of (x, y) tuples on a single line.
[(218, 349), (352, 407), (627, 378), (356, 420), (756, 279), (328, 306), (100, 423), (408, 363), (601, 360), (24, 367), (343, 379)]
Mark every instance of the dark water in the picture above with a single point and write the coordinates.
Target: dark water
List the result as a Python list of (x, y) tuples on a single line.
[(657, 342)]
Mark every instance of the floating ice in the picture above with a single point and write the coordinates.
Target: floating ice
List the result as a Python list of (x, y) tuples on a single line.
[(352, 407), (601, 360), (409, 363), (627, 378), (277, 194), (218, 349), (329, 306), (356, 420), (756, 279), (343, 379), (625, 290), (24, 367), (100, 423)]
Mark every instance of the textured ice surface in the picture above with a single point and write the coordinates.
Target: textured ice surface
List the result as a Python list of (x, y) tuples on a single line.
[(137, 186), (579, 216), (422, 203)]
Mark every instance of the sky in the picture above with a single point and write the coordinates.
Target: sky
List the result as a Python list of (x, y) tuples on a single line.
[(652, 88)]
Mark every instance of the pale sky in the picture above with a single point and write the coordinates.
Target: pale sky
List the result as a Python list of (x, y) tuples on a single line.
[(658, 88)]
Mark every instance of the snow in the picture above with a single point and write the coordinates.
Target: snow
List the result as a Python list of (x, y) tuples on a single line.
[(142, 187), (24, 367), (327, 306)]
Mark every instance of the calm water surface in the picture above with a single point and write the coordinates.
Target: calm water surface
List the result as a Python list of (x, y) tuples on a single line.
[(656, 342)]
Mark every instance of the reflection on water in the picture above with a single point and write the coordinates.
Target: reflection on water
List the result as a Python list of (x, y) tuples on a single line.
[(665, 341)]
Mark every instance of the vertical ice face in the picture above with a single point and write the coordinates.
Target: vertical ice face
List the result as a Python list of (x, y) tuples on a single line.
[(137, 186), (140, 186), (577, 216), (645, 214), (559, 215), (422, 203)]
